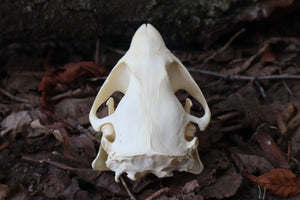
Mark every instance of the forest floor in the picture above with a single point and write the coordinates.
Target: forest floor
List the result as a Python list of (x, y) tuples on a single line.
[(251, 149)]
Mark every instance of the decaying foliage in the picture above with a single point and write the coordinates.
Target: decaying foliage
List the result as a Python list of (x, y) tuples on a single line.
[(253, 90)]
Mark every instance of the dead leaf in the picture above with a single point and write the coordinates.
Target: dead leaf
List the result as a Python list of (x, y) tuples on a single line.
[(284, 117), (37, 129), (18, 122), (215, 161), (3, 146), (21, 82), (74, 110), (279, 182), (79, 151), (58, 183), (254, 112), (222, 189), (190, 196), (17, 193), (293, 124), (252, 163), (295, 143), (57, 129), (269, 148), (267, 55), (79, 148), (191, 186), (66, 74), (249, 61), (102, 180), (139, 185), (3, 191), (71, 190)]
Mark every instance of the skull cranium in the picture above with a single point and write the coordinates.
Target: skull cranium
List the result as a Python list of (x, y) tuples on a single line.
[(150, 131)]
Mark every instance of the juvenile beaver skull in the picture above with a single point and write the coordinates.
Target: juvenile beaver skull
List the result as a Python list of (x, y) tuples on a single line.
[(150, 131)]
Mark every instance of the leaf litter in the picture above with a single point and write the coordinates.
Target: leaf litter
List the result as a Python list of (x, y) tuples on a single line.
[(47, 148), (280, 182)]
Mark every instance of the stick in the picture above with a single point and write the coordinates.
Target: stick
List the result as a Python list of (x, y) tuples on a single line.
[(127, 189), (206, 60), (158, 193), (13, 97), (248, 62), (246, 78)]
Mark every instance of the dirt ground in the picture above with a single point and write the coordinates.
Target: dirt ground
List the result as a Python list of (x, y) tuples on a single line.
[(251, 149)]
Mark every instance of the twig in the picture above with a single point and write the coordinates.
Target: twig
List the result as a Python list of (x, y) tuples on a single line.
[(287, 87), (30, 159), (248, 62), (206, 60), (78, 93), (228, 116), (4, 145), (232, 128), (266, 45), (260, 89), (246, 78), (158, 193), (13, 97), (56, 118), (127, 189), (121, 52)]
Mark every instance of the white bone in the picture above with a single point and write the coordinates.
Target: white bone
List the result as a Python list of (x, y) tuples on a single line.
[(150, 131)]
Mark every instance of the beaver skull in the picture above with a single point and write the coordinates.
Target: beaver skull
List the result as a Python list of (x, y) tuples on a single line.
[(150, 131)]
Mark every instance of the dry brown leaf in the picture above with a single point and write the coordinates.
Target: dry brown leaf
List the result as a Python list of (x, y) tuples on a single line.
[(4, 145), (58, 183), (281, 182), (222, 189), (74, 110), (267, 55), (101, 180), (14, 193), (295, 143), (293, 124), (4, 189), (190, 186), (79, 148), (252, 163), (18, 122), (215, 161), (139, 185), (284, 117), (269, 148), (66, 74)]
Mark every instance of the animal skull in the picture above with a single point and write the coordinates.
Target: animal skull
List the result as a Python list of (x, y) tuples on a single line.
[(150, 131)]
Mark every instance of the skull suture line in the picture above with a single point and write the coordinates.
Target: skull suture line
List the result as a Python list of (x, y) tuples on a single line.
[(150, 131)]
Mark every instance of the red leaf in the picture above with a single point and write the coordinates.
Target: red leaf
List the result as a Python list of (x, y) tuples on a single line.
[(66, 74), (281, 182)]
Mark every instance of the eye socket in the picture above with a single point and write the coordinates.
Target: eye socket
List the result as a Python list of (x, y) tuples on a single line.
[(197, 109), (103, 109)]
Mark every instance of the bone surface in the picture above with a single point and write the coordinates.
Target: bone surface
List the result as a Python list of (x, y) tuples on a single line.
[(149, 131)]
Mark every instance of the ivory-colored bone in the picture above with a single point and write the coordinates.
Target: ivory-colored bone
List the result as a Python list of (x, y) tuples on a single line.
[(149, 131)]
